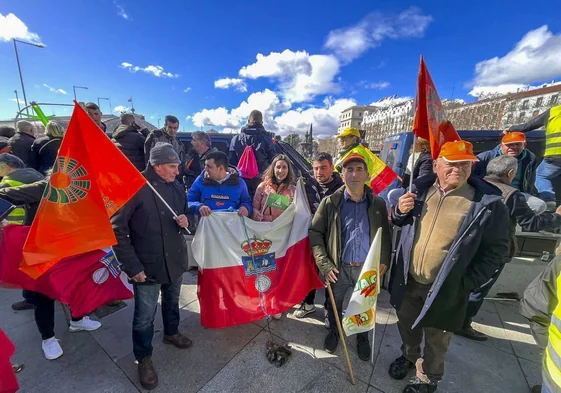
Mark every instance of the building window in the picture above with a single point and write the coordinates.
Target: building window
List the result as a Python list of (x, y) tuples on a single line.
[(539, 102), (522, 116), (525, 104), (359, 114), (509, 118), (512, 106), (553, 100), (536, 112)]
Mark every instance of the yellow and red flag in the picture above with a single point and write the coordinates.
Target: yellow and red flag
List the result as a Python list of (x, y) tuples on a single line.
[(430, 118), (91, 180)]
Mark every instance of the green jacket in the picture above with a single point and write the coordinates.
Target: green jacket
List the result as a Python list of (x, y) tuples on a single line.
[(325, 231)]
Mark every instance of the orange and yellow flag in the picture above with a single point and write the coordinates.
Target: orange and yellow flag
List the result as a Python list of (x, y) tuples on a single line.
[(91, 180)]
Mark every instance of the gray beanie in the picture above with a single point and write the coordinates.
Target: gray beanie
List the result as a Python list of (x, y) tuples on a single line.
[(163, 153)]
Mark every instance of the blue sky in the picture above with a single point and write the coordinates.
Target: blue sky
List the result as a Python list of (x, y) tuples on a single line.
[(211, 62)]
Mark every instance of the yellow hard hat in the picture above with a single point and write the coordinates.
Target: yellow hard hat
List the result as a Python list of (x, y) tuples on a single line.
[(349, 131)]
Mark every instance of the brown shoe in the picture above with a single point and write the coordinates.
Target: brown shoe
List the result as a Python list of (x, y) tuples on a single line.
[(147, 373), (178, 340)]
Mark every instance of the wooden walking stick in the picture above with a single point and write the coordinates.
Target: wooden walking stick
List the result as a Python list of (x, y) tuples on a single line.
[(340, 329)]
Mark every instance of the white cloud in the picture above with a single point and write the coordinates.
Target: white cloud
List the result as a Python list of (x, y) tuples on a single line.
[(535, 58), (121, 12), (351, 42), (325, 119), (492, 91), (188, 118), (121, 108), (156, 70), (390, 101), (266, 101), (187, 90), (12, 27), (226, 83), (53, 90), (301, 76), (19, 101), (378, 85)]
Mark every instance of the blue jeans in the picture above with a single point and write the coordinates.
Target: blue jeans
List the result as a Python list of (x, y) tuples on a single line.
[(477, 296), (549, 169), (145, 305)]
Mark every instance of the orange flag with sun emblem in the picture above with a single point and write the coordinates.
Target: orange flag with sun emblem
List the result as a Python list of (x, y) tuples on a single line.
[(91, 180)]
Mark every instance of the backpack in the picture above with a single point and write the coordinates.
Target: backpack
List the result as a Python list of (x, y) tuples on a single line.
[(248, 163)]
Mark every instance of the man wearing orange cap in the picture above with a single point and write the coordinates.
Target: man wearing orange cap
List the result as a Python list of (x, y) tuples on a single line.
[(550, 167), (514, 145), (454, 236), (342, 230)]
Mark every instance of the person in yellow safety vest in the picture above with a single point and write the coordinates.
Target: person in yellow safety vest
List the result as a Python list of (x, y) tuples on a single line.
[(349, 142), (551, 373), (550, 167), (14, 173)]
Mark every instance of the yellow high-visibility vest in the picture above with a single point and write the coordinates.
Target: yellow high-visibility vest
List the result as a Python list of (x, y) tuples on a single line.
[(553, 133), (17, 216), (552, 359)]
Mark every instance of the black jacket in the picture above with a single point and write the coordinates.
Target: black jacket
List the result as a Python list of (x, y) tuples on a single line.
[(45, 150), (194, 165), (4, 144), (28, 195), (476, 253), (148, 238), (316, 191), (131, 143), (262, 142), (423, 167), (529, 167), (162, 136), (20, 146)]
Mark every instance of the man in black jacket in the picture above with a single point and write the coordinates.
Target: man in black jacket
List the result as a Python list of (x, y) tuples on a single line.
[(500, 172), (454, 236), (20, 144), (5, 134), (253, 134), (151, 248), (196, 157), (324, 183), (130, 138)]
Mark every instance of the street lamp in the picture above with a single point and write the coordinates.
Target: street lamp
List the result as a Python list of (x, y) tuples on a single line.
[(19, 66), (78, 87), (108, 99)]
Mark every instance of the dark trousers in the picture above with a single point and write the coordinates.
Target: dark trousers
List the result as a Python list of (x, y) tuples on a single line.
[(145, 305), (346, 281), (28, 296), (436, 340), (45, 315), (476, 297)]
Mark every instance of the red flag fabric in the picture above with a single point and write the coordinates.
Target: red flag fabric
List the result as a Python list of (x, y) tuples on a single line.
[(84, 282), (430, 117), (8, 380), (91, 180)]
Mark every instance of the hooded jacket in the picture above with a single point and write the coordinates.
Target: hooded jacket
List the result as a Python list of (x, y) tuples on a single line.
[(253, 135), (20, 146), (131, 143), (230, 194), (45, 150)]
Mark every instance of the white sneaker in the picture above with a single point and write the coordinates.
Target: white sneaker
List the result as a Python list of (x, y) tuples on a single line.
[(51, 348), (304, 310), (84, 324), (277, 316)]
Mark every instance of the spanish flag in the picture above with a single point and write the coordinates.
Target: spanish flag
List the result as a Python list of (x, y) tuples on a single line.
[(430, 118), (91, 180)]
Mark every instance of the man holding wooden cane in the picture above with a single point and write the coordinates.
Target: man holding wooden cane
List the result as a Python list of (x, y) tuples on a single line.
[(342, 230)]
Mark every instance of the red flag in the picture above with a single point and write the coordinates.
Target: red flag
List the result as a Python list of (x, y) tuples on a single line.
[(430, 118), (91, 180), (8, 380), (84, 282)]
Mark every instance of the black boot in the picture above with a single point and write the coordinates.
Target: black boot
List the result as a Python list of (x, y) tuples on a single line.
[(331, 341), (400, 368), (418, 386), (363, 347), (472, 334)]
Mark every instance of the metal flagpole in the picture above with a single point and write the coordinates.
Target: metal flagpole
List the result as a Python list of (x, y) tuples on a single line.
[(165, 203), (413, 158)]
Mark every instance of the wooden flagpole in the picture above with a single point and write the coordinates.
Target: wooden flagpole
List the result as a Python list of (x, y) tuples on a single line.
[(341, 335)]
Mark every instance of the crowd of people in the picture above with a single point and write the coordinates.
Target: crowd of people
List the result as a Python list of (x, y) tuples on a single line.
[(457, 220)]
